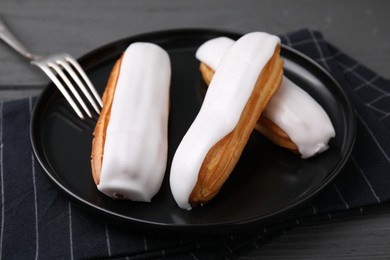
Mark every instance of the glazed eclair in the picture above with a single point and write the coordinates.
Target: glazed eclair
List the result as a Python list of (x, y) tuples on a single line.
[(129, 148), (292, 119), (247, 77)]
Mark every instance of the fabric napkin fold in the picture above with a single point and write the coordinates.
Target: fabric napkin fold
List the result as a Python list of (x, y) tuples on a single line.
[(38, 221)]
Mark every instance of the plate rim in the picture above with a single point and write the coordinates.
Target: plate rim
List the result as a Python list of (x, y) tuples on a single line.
[(231, 225)]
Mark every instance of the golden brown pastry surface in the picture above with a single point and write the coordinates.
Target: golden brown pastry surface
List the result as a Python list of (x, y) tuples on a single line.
[(264, 125), (99, 134), (223, 156)]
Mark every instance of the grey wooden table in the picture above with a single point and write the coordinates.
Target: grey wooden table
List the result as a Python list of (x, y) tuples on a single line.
[(360, 28)]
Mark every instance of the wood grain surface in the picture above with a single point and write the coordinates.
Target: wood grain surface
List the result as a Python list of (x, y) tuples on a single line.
[(360, 28)]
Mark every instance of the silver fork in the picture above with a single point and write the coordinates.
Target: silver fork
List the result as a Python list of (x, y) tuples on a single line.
[(62, 69)]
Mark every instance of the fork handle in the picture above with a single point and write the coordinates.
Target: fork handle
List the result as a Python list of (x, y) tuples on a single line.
[(12, 41)]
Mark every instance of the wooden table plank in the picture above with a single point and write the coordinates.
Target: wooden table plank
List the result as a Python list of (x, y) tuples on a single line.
[(360, 28), (366, 236)]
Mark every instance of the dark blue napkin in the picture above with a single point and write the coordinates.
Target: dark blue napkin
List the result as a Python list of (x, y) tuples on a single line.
[(38, 221)]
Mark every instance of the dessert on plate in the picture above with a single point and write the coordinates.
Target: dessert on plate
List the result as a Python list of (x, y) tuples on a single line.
[(292, 119), (247, 77), (129, 148)]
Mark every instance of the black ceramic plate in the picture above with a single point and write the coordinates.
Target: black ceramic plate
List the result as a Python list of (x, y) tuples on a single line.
[(267, 180)]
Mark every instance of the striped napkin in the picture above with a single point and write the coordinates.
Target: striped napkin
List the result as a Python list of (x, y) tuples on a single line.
[(38, 221)]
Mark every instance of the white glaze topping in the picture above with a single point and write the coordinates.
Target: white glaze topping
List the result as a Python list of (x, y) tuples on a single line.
[(291, 108), (301, 118), (212, 51), (135, 149), (224, 102)]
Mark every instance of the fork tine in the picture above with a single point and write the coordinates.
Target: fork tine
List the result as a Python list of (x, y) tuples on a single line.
[(60, 73), (61, 87), (74, 76), (76, 65)]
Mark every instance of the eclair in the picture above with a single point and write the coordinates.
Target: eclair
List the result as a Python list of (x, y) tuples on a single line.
[(130, 140), (247, 77), (292, 119)]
